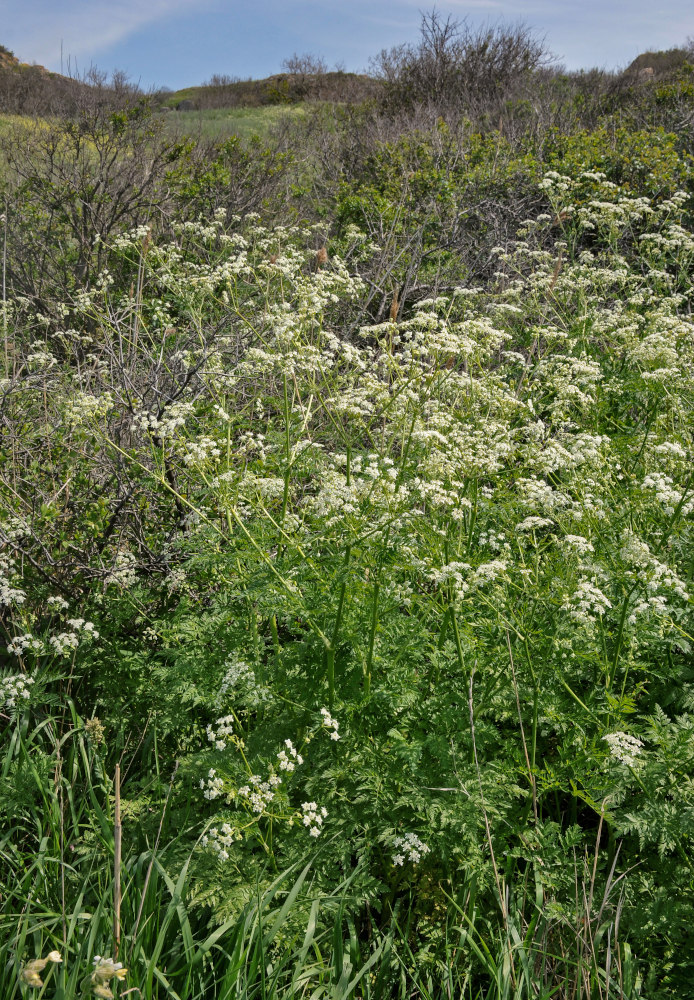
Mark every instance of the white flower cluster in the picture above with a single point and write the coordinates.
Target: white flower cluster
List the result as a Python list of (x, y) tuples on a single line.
[(667, 494), (205, 449), (122, 572), (313, 817), (133, 238), (258, 794), (336, 497), (653, 575), (21, 643), (40, 358), (168, 421), (410, 848), (238, 675), (624, 748), (8, 593), (454, 573), (83, 406), (587, 602), (221, 735), (10, 531), (220, 839), (58, 603), (554, 182), (175, 579), (63, 643), (488, 572), (533, 523), (494, 540), (14, 688), (331, 724), (289, 758), (254, 444), (578, 544), (80, 625), (672, 450), (212, 787)]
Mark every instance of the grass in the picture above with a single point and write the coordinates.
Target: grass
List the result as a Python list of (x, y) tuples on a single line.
[(7, 121), (220, 123)]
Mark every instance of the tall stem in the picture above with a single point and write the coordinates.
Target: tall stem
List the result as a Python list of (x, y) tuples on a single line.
[(288, 455), (372, 638), (336, 633), (117, 846)]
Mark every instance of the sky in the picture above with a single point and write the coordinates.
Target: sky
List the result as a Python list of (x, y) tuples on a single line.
[(178, 43)]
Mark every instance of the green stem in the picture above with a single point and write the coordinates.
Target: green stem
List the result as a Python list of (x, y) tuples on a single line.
[(536, 697), (458, 644), (372, 638), (336, 632), (288, 455), (611, 672)]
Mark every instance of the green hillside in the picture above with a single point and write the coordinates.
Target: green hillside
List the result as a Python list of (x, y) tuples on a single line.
[(282, 88), (220, 123), (347, 530)]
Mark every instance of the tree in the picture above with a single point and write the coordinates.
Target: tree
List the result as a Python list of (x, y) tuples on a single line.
[(457, 67), (74, 182)]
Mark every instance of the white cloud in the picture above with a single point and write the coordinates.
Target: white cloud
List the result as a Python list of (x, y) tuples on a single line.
[(85, 27)]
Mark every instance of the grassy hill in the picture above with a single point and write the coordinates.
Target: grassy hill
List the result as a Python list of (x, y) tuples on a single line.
[(220, 123), (281, 88)]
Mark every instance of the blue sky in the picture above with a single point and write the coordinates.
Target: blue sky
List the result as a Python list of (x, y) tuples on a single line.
[(183, 42)]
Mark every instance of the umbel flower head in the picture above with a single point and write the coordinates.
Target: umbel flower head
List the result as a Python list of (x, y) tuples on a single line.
[(30, 974)]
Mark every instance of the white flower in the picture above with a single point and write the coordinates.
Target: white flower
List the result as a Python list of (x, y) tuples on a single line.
[(221, 733), (587, 603), (213, 787), (63, 643), (578, 544), (313, 817), (330, 724), (14, 688), (411, 849), (533, 523), (624, 748), (21, 643), (289, 758)]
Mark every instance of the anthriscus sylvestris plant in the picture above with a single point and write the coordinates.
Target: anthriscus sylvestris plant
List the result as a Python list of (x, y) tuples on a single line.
[(413, 596)]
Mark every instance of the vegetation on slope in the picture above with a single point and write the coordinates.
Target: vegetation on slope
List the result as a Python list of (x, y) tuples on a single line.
[(346, 543)]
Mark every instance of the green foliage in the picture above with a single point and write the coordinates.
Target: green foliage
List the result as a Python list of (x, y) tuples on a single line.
[(642, 161), (217, 125), (366, 554)]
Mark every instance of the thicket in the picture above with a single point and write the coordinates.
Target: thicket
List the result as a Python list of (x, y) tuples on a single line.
[(346, 543)]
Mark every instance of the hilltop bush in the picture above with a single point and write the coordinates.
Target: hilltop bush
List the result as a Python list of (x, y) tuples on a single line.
[(456, 67)]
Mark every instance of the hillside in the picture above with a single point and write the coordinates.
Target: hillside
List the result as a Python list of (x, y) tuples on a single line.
[(281, 88), (32, 90), (347, 532)]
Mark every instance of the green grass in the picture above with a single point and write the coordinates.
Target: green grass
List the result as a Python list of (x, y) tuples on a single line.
[(221, 123)]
